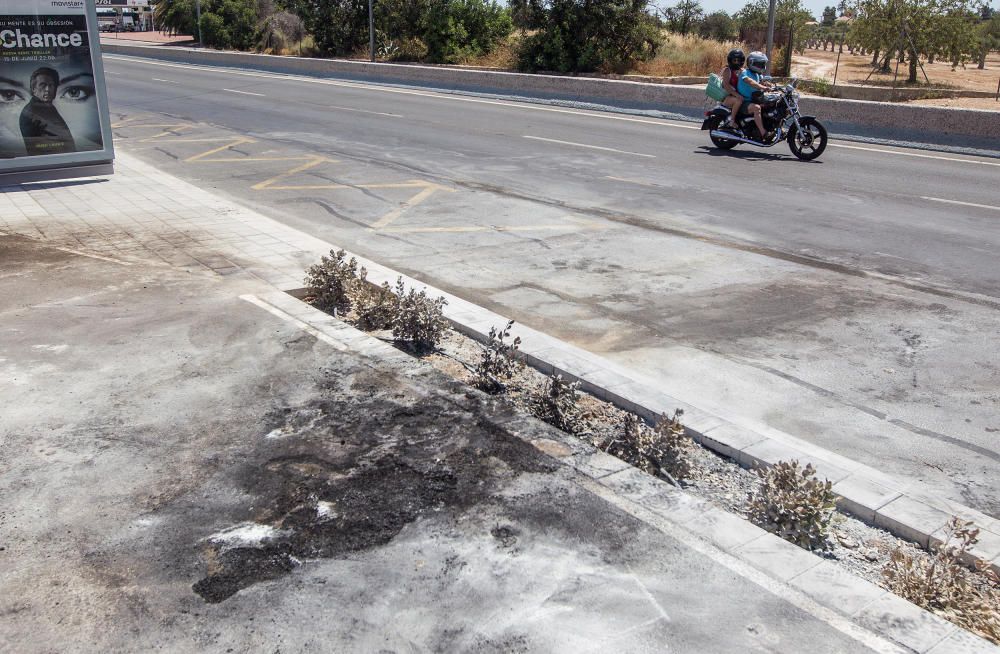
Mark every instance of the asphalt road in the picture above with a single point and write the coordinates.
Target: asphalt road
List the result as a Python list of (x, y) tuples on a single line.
[(852, 301)]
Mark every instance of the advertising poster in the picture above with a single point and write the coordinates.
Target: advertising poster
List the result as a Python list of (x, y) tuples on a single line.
[(53, 108)]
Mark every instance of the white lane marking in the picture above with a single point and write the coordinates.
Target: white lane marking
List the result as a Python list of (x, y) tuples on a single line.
[(168, 81), (108, 72), (306, 327), (92, 256), (244, 92), (964, 204), (363, 111), (915, 154), (427, 94), (591, 147)]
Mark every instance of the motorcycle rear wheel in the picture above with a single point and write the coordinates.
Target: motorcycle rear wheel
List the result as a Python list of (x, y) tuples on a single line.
[(810, 142), (723, 144)]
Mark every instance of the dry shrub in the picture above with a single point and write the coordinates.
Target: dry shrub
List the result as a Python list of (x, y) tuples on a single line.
[(944, 586), (661, 451), (556, 404), (499, 362), (375, 306), (331, 281), (280, 30), (793, 504), (503, 56), (419, 321), (686, 55)]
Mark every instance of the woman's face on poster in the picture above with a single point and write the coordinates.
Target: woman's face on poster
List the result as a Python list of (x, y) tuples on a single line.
[(14, 94)]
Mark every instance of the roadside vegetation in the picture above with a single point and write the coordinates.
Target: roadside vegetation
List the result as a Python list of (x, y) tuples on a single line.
[(600, 36), (786, 499)]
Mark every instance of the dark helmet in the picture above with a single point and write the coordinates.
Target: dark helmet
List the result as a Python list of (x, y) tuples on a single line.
[(757, 62), (735, 58)]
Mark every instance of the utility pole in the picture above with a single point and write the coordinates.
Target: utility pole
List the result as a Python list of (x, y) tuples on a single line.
[(197, 11), (371, 30), (770, 34)]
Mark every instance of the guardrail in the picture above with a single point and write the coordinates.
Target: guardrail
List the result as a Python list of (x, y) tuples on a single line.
[(945, 126)]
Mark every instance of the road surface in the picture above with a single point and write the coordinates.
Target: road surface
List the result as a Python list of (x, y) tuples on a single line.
[(853, 301)]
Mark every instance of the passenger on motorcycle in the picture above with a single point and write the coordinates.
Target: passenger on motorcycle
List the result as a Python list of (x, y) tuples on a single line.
[(730, 80), (752, 81)]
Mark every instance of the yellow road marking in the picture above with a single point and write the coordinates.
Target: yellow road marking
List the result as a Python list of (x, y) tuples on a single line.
[(270, 183), (168, 130), (427, 189), (239, 140), (390, 217)]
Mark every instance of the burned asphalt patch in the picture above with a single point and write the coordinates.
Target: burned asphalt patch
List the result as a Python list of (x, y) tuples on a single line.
[(349, 471)]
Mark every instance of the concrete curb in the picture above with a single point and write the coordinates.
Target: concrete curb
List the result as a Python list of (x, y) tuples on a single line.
[(944, 126), (799, 571), (872, 496)]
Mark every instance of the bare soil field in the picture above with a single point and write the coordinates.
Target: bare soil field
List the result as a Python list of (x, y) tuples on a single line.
[(819, 64)]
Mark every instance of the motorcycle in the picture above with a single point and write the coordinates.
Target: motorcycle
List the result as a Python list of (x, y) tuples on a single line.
[(779, 111)]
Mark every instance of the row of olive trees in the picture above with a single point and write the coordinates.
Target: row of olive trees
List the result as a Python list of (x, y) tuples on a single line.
[(688, 17), (958, 31)]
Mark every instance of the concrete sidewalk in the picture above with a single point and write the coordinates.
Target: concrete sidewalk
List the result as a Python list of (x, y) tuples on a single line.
[(193, 463)]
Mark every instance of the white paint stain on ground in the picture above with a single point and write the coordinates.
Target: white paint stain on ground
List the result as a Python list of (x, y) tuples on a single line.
[(280, 432), (324, 510), (50, 348), (248, 534)]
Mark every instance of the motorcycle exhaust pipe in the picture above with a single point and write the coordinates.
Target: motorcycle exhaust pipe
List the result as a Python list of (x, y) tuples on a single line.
[(729, 136)]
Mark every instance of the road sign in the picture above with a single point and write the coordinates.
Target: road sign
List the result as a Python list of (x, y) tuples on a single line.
[(54, 120)]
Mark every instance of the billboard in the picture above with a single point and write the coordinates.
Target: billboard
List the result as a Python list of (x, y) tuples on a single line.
[(54, 120)]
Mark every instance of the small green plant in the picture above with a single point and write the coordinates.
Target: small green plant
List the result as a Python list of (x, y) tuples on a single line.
[(419, 320), (944, 586), (499, 362), (332, 281), (375, 306), (821, 86), (556, 404), (792, 503), (662, 451)]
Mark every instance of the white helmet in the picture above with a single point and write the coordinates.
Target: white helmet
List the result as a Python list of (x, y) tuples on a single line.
[(757, 62)]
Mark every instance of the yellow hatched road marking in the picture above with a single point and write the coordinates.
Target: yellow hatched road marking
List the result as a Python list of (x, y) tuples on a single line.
[(391, 217), (427, 189)]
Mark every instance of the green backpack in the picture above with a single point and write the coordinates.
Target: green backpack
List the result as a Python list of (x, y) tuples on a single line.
[(714, 88)]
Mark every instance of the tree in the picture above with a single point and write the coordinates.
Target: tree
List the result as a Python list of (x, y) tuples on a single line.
[(829, 16), (457, 29), (718, 25), (224, 23), (787, 13), (339, 27), (989, 38), (576, 36), (684, 16)]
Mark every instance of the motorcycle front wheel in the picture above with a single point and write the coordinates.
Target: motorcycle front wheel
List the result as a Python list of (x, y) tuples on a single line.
[(723, 144), (809, 142)]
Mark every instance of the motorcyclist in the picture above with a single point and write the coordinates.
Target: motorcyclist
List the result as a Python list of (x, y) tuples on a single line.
[(751, 81), (730, 80)]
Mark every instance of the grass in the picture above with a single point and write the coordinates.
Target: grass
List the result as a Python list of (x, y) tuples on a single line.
[(686, 55)]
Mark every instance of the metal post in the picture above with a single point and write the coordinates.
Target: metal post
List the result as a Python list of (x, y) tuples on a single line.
[(837, 67), (371, 30), (197, 10), (998, 90), (770, 34)]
